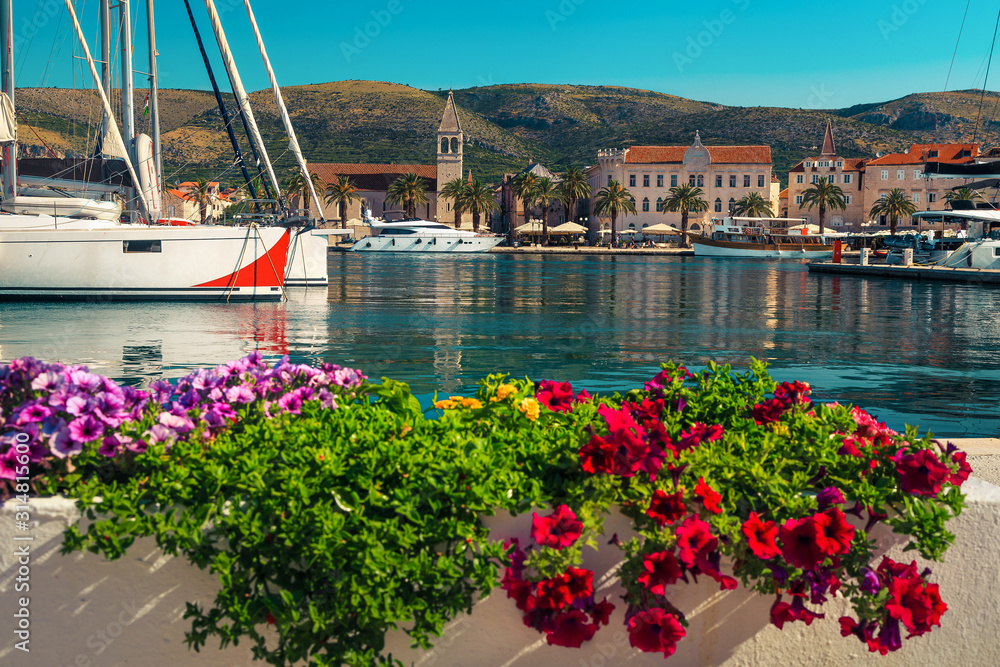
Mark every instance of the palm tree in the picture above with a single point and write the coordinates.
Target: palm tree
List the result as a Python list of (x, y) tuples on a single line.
[(480, 198), (524, 188), (408, 190), (298, 185), (545, 192), (753, 206), (456, 190), (200, 193), (825, 195), (342, 192), (573, 188), (614, 200), (964, 193), (894, 206), (685, 199)]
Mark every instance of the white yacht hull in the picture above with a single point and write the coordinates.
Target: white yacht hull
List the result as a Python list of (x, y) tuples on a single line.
[(69, 207), (137, 262), (437, 244), (307, 260)]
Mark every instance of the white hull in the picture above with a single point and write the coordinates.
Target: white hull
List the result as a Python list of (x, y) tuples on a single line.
[(437, 244), (69, 207), (137, 262), (974, 255), (307, 260), (701, 250)]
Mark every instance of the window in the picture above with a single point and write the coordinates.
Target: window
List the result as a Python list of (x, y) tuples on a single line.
[(454, 145), (824, 163), (931, 197), (917, 174), (673, 180), (837, 221), (808, 164), (631, 180), (691, 180), (760, 180), (815, 179), (799, 178), (645, 205), (966, 153), (746, 180), (900, 174), (847, 178), (718, 180), (932, 153), (701, 180), (142, 246), (840, 164), (885, 174), (659, 204), (847, 199), (916, 197), (609, 179), (645, 180), (718, 205), (732, 180), (659, 180), (798, 199), (444, 145)]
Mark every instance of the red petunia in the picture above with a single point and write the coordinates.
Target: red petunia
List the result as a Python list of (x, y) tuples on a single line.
[(922, 473), (556, 396), (655, 631), (768, 411), (709, 497), (761, 537), (580, 582), (553, 593), (793, 393), (915, 603), (666, 507), (557, 530), (835, 534), (602, 612), (698, 434), (598, 456), (964, 469), (661, 571), (800, 542), (571, 629), (695, 541), (782, 612), (628, 438)]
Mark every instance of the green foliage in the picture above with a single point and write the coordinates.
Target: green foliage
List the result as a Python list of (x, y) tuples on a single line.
[(341, 525)]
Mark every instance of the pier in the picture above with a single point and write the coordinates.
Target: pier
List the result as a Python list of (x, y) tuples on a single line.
[(918, 273)]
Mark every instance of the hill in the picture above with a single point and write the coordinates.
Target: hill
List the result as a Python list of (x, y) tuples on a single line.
[(506, 125)]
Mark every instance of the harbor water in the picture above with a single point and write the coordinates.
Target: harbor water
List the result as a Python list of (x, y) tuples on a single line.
[(912, 353)]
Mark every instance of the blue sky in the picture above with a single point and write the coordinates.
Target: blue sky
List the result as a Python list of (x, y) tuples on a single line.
[(736, 52)]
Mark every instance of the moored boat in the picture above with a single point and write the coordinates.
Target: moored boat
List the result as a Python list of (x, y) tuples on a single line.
[(731, 239), (424, 236)]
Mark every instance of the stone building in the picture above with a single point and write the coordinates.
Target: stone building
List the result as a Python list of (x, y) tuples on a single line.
[(373, 180), (724, 173), (846, 173)]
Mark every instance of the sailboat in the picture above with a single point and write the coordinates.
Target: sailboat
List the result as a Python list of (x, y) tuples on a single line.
[(85, 255)]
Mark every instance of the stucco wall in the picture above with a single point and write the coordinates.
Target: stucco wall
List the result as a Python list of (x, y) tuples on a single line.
[(90, 612)]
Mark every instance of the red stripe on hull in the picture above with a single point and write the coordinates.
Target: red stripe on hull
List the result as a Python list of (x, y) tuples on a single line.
[(267, 271)]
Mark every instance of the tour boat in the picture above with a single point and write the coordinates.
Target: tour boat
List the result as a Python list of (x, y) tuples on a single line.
[(980, 249), (732, 239), (424, 236)]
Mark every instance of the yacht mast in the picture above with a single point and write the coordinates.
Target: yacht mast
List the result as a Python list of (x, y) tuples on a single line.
[(125, 37), (241, 94), (154, 103), (293, 143), (113, 134), (7, 74)]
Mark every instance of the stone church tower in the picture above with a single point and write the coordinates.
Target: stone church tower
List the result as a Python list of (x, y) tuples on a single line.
[(449, 158)]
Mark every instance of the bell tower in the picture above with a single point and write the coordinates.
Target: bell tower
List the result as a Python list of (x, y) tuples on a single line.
[(449, 157)]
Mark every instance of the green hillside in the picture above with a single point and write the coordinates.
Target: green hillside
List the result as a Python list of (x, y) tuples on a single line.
[(506, 126)]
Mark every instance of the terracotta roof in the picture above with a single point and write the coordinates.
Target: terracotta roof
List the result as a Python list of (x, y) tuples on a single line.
[(921, 153), (775, 179), (719, 154), (850, 164), (375, 177), (783, 194), (193, 184)]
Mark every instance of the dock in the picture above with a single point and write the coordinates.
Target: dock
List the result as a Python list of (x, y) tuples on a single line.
[(917, 273)]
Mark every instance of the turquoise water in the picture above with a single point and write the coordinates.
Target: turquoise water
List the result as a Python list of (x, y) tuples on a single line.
[(911, 352)]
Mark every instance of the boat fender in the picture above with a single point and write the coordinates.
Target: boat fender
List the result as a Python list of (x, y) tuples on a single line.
[(368, 245)]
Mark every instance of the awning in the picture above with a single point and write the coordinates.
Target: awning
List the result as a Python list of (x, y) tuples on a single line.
[(530, 228), (660, 229), (966, 170), (568, 228)]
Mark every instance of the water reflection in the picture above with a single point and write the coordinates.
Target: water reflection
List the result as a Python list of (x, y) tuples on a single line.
[(912, 352)]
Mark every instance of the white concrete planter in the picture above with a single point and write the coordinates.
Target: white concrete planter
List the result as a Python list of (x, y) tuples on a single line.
[(89, 612)]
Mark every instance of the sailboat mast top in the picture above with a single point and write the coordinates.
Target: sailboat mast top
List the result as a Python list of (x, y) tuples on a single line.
[(128, 113), (241, 95), (293, 143), (113, 132), (154, 103)]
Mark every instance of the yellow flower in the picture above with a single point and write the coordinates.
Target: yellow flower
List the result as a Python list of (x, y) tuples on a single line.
[(529, 407), (505, 390), (472, 403), (445, 405), (779, 429)]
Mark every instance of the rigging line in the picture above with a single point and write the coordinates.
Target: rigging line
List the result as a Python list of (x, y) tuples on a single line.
[(957, 42), (986, 79), (43, 77), (23, 120)]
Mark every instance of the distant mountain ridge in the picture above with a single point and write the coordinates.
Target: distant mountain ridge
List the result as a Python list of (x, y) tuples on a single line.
[(506, 126)]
